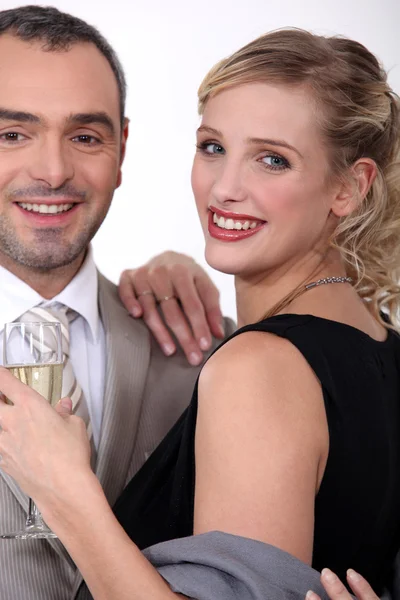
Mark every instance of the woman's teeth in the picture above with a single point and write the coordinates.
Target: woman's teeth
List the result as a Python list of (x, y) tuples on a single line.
[(46, 209), (231, 224)]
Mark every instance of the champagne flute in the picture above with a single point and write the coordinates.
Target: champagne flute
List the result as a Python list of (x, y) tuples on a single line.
[(33, 354)]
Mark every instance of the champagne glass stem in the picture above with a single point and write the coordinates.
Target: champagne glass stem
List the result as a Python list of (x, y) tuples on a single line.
[(34, 518), (33, 354)]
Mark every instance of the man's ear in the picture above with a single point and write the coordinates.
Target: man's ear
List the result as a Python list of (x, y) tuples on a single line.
[(355, 188), (124, 137)]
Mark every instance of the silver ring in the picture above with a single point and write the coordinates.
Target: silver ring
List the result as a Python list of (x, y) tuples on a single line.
[(165, 298), (145, 293)]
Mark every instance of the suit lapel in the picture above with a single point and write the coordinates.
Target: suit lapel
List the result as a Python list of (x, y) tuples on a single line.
[(127, 362), (128, 356)]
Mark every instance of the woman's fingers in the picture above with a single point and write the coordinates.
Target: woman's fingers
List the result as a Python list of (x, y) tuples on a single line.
[(128, 293), (360, 586), (64, 406), (337, 591), (178, 302), (312, 596), (333, 587), (14, 390)]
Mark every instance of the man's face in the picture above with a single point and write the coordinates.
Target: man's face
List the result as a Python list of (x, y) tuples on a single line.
[(61, 149)]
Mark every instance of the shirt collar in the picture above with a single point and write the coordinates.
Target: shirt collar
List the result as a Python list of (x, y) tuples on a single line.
[(16, 297)]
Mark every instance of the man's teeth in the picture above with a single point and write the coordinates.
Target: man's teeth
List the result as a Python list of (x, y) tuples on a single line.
[(51, 209), (231, 224)]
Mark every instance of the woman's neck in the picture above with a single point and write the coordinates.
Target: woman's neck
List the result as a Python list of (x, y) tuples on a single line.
[(258, 294)]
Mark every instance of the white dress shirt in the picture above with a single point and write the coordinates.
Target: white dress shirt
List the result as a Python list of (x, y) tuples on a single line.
[(87, 337)]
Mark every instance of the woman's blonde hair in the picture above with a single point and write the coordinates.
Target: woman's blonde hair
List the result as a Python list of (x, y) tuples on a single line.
[(359, 115)]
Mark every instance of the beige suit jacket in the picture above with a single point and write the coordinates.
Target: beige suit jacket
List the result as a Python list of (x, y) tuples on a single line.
[(145, 393)]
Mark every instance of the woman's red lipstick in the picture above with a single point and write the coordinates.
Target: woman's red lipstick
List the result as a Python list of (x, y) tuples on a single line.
[(232, 235)]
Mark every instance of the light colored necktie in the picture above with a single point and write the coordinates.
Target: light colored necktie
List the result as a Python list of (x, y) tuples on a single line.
[(70, 385)]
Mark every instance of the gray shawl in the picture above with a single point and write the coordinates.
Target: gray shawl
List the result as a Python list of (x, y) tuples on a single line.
[(220, 566)]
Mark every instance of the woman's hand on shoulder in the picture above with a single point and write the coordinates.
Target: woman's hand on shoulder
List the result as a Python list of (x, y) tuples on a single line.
[(261, 437), (337, 591)]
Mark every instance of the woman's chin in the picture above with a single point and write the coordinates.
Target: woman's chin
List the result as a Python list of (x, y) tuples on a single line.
[(224, 264)]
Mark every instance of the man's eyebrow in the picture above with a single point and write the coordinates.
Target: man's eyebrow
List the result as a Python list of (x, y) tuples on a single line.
[(18, 115), (267, 141), (101, 118)]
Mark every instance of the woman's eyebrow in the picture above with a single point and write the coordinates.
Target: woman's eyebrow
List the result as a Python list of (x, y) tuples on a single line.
[(271, 142), (253, 140)]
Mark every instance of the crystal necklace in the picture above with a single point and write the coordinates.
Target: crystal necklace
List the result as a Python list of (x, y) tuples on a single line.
[(301, 289)]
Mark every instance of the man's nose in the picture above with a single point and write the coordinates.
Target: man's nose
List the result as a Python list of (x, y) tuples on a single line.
[(51, 163)]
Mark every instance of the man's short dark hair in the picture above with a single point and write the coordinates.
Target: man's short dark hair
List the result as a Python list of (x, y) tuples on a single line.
[(59, 31)]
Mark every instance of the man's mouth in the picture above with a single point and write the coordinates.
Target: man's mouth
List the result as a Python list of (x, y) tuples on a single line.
[(46, 209)]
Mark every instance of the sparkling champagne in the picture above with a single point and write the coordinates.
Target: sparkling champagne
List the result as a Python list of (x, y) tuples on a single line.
[(44, 379)]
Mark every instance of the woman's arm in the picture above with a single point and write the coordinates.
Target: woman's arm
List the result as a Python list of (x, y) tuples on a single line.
[(110, 563), (260, 444), (48, 455)]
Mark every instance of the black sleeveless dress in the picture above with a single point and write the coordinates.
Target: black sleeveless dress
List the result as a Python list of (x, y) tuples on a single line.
[(357, 509)]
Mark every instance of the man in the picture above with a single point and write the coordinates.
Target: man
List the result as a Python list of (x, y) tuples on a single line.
[(62, 142)]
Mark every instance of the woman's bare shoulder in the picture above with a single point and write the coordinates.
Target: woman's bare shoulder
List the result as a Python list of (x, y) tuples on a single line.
[(260, 436), (261, 357)]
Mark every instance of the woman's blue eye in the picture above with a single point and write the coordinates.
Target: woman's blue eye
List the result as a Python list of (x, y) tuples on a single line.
[(275, 162), (212, 148)]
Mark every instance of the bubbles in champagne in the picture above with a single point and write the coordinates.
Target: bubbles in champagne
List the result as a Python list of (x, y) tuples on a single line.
[(44, 379)]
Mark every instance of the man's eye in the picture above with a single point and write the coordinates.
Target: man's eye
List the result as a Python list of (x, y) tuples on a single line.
[(88, 140), (12, 136)]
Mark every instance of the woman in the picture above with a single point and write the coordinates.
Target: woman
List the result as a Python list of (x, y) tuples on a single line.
[(294, 427)]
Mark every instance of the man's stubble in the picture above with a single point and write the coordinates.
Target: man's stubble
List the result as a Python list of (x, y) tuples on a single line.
[(48, 250)]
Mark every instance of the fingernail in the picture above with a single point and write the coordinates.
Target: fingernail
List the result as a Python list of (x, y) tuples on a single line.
[(169, 349), (311, 596), (135, 310), (328, 575), (65, 403), (195, 358), (353, 575), (204, 343)]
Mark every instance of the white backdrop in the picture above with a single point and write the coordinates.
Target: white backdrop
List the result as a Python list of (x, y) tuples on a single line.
[(166, 47)]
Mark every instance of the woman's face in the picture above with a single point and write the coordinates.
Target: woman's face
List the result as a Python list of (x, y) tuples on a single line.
[(260, 179)]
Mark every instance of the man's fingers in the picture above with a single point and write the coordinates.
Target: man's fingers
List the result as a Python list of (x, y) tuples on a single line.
[(127, 293), (209, 297), (360, 586)]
